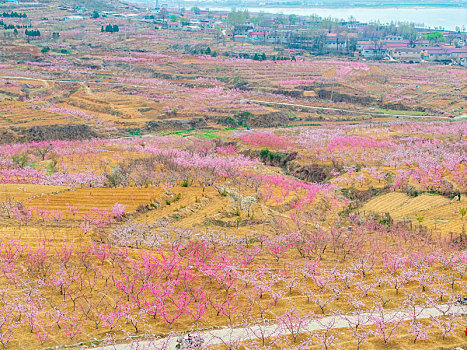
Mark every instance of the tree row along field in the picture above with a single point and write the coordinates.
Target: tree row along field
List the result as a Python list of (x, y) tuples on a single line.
[(121, 240)]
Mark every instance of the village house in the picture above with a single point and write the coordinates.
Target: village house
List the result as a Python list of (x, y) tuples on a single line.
[(242, 29), (458, 54), (174, 25), (395, 45), (362, 43), (356, 25), (73, 18), (437, 53), (394, 38), (463, 59), (239, 37), (334, 41), (340, 41), (407, 54), (257, 36), (191, 28), (373, 51), (279, 36)]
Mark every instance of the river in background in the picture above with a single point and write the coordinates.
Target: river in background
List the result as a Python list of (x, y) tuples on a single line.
[(430, 17)]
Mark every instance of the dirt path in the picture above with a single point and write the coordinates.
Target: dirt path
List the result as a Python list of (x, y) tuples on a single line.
[(356, 111), (226, 335), (45, 80)]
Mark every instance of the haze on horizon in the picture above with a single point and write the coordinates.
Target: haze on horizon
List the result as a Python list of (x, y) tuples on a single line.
[(327, 3)]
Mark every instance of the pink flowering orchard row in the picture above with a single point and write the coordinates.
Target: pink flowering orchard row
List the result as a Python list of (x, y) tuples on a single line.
[(215, 277), (30, 175), (59, 147), (94, 219), (266, 140), (434, 162), (201, 160), (431, 155), (302, 192)]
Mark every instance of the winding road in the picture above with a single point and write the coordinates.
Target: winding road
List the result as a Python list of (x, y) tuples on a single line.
[(227, 335)]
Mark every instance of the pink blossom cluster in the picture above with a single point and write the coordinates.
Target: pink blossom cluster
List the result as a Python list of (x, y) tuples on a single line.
[(266, 139)]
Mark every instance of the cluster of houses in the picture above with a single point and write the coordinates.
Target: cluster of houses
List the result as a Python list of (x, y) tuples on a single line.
[(350, 38), (399, 49), (394, 48), (353, 38)]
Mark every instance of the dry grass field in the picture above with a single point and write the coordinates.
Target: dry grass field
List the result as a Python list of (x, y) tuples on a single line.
[(435, 212)]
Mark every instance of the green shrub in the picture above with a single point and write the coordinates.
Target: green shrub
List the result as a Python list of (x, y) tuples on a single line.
[(20, 160), (228, 121)]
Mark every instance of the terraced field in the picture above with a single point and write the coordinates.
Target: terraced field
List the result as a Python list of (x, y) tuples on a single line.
[(98, 198), (24, 192), (435, 212)]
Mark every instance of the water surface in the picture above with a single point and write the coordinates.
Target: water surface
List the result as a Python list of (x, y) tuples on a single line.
[(431, 17)]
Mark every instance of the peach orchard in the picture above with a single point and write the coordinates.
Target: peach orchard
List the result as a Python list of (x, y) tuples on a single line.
[(277, 254)]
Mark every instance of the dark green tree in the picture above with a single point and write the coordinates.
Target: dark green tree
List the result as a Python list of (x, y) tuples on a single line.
[(195, 10), (435, 37)]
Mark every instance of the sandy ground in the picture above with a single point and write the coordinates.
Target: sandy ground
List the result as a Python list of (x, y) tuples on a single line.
[(222, 336)]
